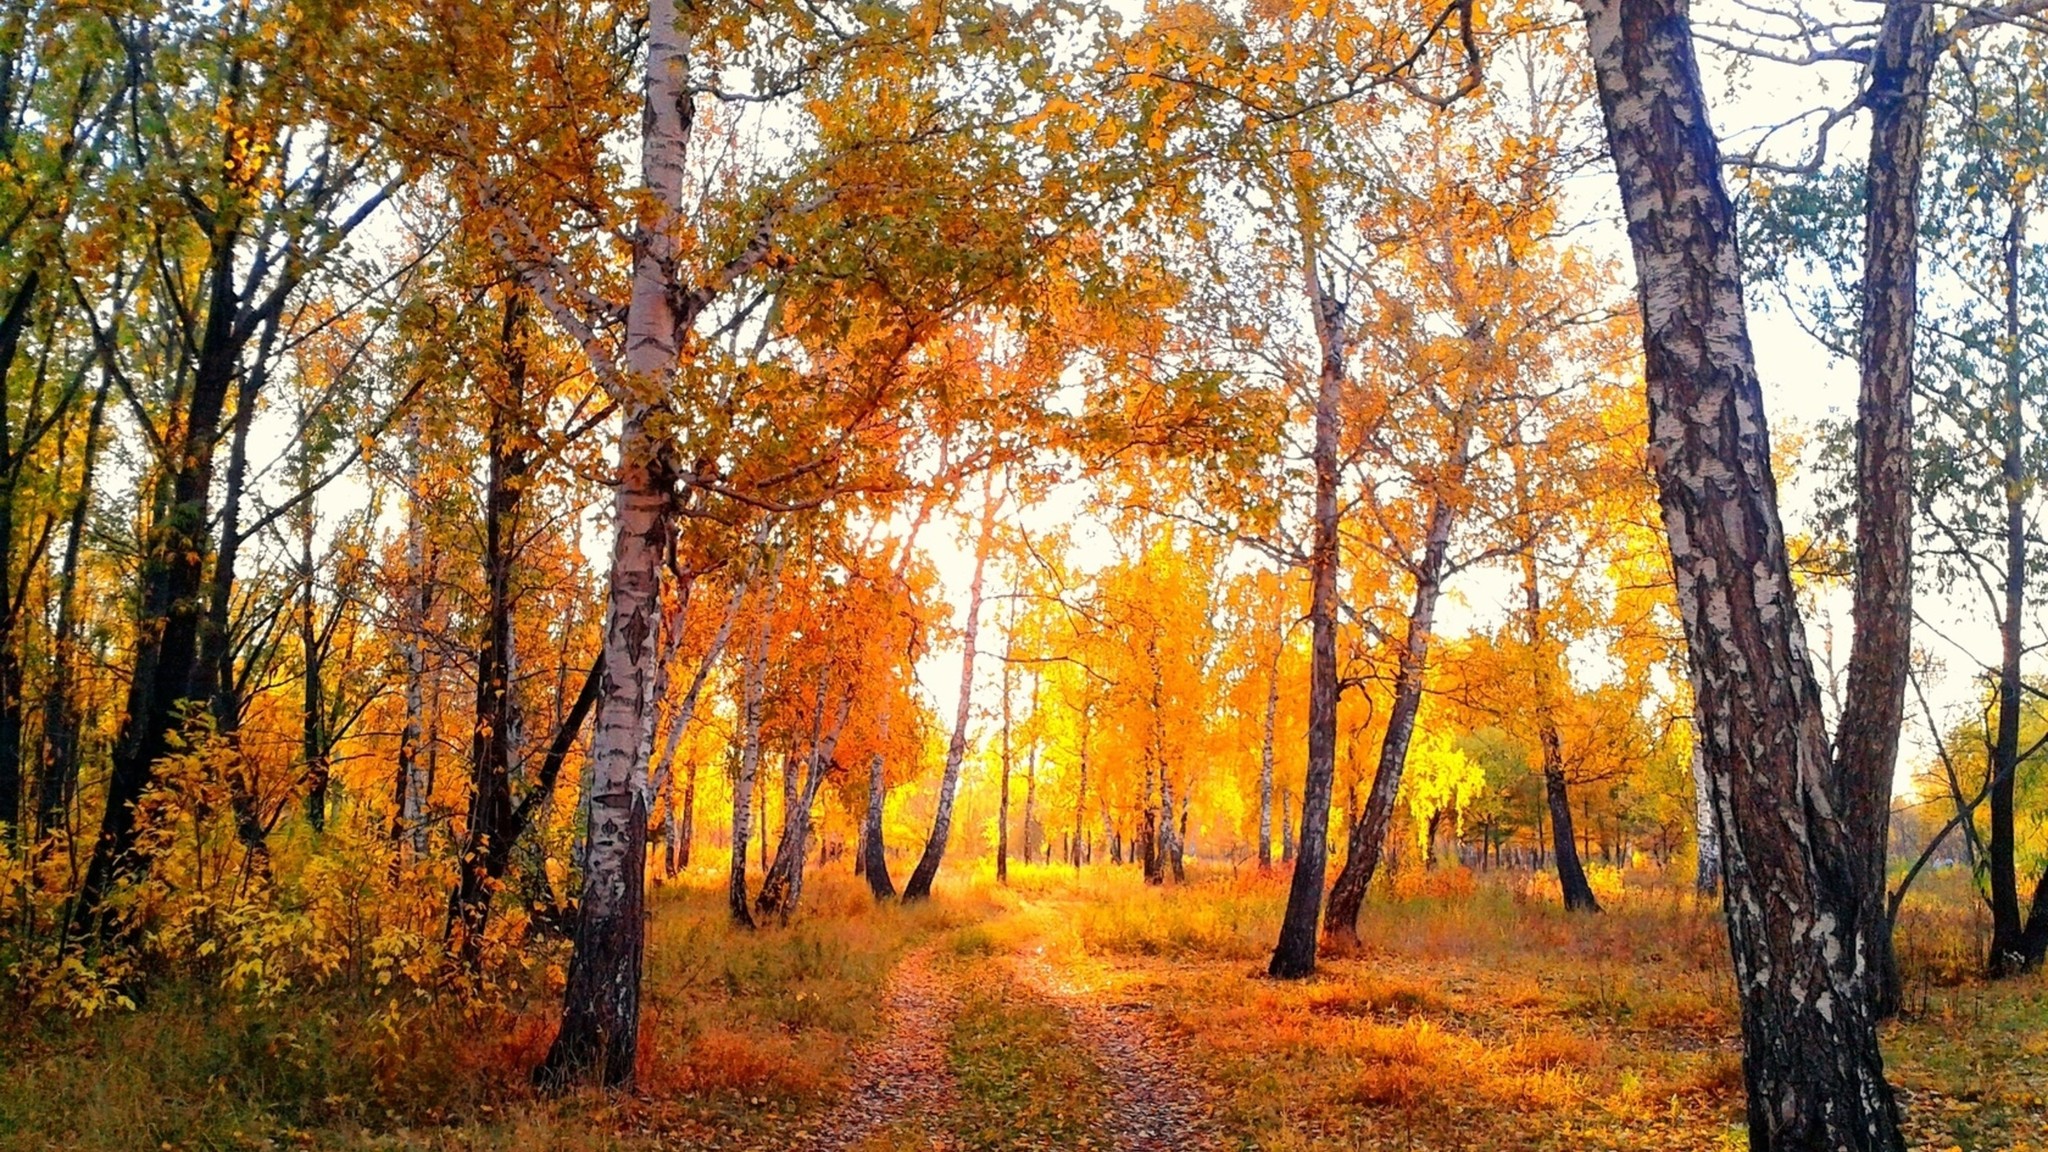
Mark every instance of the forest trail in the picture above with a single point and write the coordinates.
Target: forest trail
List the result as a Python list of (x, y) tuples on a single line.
[(904, 1089), (1155, 1104)]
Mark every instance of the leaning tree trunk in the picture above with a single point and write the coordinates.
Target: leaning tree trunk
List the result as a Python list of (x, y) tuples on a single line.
[(1793, 865), (919, 886), (1571, 873), (1295, 954), (783, 885), (1369, 832), (1881, 649), (601, 1003)]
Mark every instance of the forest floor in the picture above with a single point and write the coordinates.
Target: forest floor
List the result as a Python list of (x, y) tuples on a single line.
[(1059, 1012)]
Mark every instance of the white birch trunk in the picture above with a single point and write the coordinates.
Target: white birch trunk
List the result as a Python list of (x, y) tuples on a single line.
[(919, 886), (601, 1003), (1706, 833), (753, 684), (1791, 863), (412, 771)]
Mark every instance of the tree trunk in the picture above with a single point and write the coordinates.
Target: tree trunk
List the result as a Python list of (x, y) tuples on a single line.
[(12, 324), (1167, 850), (601, 1003), (686, 709), (1003, 798), (214, 678), (171, 583), (58, 783), (1706, 829), (919, 886), (1110, 841), (1295, 954), (1793, 866), (1266, 765), (1286, 826), (411, 785), (1180, 842), (874, 864), (2034, 941), (1030, 800), (1154, 830), (313, 695), (2008, 949), (1881, 650), (1571, 874), (687, 826), (753, 678), (486, 849), (783, 884), (1369, 833), (1079, 841)]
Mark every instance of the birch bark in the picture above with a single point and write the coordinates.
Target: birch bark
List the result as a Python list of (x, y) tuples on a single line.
[(919, 887), (1793, 863), (601, 1003), (1369, 832), (1874, 706), (1295, 955)]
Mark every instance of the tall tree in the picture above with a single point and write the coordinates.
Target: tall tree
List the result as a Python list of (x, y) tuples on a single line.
[(1794, 863), (919, 886), (255, 237)]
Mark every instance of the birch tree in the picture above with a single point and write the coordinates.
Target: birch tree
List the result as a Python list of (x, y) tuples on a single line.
[(1793, 861)]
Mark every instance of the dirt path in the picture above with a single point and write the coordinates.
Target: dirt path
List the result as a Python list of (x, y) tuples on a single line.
[(902, 1079), (1154, 1104)]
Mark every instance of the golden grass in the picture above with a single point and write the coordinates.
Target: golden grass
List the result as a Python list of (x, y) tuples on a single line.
[(1476, 1015), (743, 1034), (1494, 1020)]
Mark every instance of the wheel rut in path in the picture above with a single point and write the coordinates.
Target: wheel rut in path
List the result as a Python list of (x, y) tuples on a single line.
[(1155, 1105), (902, 1078)]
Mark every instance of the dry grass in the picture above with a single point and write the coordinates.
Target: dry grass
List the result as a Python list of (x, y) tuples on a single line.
[(744, 1036), (1475, 1016), (1494, 1020)]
